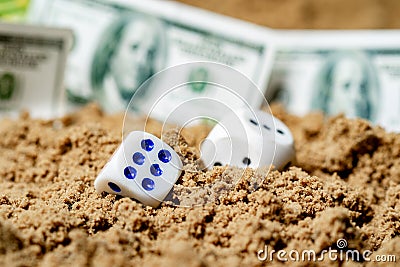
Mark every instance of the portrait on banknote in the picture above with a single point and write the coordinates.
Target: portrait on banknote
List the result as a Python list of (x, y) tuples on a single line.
[(132, 49), (347, 83), (118, 45)]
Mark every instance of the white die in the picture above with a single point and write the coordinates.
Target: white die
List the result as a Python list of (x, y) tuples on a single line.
[(247, 138), (143, 167)]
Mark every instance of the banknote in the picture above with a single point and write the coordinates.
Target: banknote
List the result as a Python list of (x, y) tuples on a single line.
[(32, 64), (352, 72), (120, 44)]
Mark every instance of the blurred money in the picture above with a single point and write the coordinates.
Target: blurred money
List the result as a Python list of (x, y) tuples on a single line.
[(352, 72), (32, 63), (120, 44), (13, 10)]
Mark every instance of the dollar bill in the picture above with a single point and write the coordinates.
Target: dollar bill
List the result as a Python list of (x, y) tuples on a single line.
[(120, 44), (352, 72), (32, 63)]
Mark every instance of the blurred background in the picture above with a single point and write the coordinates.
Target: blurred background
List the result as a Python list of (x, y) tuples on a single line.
[(280, 14), (13, 10), (310, 14)]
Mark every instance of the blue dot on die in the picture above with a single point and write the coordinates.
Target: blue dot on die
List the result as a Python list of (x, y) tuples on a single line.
[(130, 172), (114, 187), (147, 144), (138, 158), (156, 170), (164, 155), (148, 184)]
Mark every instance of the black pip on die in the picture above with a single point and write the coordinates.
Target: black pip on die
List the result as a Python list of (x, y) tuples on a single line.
[(248, 138)]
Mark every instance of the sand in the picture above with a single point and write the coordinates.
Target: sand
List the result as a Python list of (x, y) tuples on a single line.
[(344, 185)]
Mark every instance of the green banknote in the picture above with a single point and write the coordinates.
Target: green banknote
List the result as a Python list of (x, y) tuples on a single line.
[(356, 73), (32, 64), (120, 44)]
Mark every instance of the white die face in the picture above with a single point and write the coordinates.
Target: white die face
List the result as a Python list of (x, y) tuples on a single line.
[(143, 167), (248, 139)]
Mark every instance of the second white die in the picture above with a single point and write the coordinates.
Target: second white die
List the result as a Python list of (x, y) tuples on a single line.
[(248, 138), (143, 167)]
